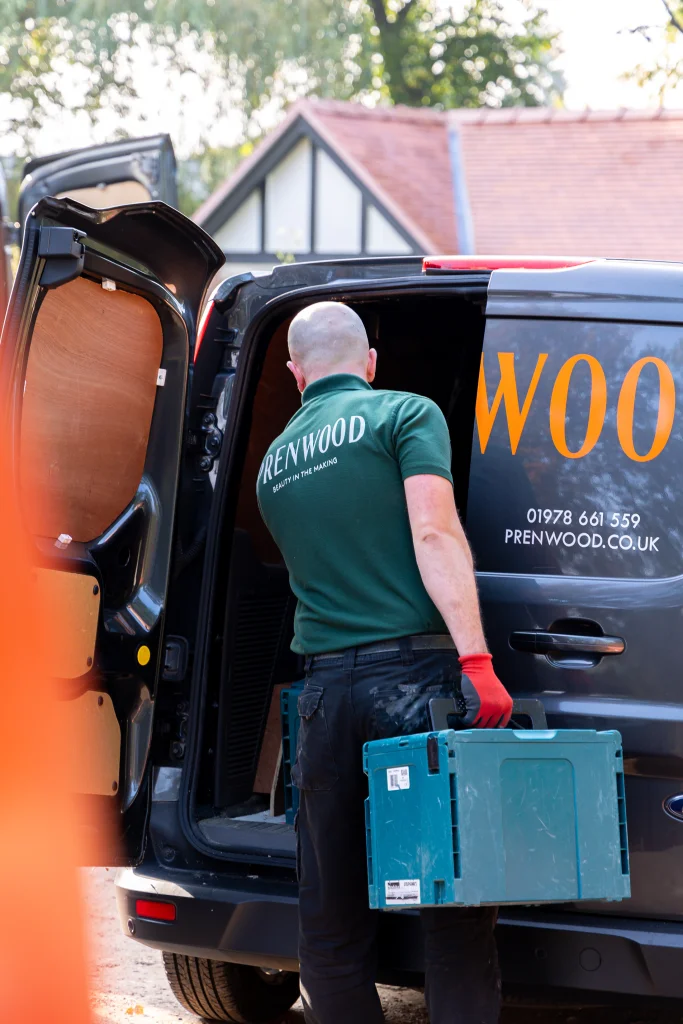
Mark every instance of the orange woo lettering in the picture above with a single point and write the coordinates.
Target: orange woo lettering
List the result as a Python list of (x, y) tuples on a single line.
[(507, 393), (596, 409), (516, 415), (665, 412)]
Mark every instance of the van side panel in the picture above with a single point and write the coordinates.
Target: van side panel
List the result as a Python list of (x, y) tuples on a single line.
[(575, 514)]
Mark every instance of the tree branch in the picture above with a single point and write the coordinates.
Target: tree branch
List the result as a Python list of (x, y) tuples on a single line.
[(403, 13), (675, 18), (379, 12), (642, 30)]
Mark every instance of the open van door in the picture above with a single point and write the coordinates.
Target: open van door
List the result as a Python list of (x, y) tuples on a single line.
[(93, 377), (574, 513), (118, 173)]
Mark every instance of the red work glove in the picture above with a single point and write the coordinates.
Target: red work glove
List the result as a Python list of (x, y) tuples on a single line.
[(488, 703)]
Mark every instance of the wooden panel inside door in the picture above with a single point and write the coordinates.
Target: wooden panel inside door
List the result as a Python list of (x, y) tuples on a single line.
[(90, 389)]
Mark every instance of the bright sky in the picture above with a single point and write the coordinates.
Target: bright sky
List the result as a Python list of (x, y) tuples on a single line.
[(598, 47)]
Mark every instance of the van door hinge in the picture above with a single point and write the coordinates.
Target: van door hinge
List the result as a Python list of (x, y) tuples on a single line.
[(63, 252), (212, 441)]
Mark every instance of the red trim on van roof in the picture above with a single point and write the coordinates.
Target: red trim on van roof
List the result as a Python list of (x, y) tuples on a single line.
[(502, 262)]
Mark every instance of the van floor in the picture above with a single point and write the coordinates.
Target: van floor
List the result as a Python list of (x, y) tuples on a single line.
[(269, 835)]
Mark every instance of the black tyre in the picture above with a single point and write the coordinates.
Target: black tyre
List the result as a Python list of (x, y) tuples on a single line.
[(215, 990)]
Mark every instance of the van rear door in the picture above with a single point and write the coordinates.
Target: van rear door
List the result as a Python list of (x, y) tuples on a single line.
[(129, 171), (575, 513), (93, 377)]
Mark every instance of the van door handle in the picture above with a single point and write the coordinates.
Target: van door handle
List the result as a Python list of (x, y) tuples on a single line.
[(540, 642)]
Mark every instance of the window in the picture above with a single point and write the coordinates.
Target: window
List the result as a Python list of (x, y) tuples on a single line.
[(577, 450), (101, 197)]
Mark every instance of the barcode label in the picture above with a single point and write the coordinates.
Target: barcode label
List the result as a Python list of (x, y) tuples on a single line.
[(398, 778), (402, 892)]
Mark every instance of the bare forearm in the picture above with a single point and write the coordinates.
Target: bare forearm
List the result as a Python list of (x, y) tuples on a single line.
[(445, 564)]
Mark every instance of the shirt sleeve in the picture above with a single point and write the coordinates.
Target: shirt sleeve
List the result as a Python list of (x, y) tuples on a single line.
[(421, 439)]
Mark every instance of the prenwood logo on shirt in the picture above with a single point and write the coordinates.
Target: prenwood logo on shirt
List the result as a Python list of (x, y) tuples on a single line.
[(295, 454)]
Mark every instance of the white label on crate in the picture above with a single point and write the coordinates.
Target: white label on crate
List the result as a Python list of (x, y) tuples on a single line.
[(398, 778), (402, 892)]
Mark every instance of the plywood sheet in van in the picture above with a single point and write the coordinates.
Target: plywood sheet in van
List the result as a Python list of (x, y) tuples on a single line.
[(76, 600), (88, 403), (101, 197), (270, 747), (88, 732)]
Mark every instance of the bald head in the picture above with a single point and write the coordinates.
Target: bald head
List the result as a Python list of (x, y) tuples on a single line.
[(325, 338)]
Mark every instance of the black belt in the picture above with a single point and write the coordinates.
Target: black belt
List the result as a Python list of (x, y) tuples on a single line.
[(424, 642)]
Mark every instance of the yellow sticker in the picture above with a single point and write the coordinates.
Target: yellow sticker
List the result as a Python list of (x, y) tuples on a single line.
[(144, 654)]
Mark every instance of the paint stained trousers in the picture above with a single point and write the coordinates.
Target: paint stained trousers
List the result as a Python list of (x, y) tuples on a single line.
[(347, 701)]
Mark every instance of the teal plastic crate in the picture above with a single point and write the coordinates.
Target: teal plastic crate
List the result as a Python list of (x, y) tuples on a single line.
[(496, 816), (289, 717)]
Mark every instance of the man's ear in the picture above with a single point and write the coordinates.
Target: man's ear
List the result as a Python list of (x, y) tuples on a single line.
[(371, 368), (298, 375)]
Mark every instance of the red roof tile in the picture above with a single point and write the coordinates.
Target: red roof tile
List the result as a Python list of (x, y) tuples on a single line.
[(603, 183), (537, 180), (405, 154)]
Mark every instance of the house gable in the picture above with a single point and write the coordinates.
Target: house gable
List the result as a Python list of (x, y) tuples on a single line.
[(298, 196), (242, 232)]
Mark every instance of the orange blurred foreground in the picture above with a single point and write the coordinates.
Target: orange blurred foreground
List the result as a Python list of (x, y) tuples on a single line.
[(43, 976)]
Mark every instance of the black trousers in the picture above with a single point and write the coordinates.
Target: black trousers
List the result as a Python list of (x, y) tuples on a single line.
[(347, 701)]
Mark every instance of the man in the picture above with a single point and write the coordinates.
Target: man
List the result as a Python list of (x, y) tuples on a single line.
[(357, 492)]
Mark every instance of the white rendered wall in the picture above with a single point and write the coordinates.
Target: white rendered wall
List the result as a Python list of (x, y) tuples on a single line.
[(381, 237), (242, 232), (288, 202), (338, 209)]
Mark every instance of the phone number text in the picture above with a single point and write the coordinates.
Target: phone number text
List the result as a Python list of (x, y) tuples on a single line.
[(564, 516)]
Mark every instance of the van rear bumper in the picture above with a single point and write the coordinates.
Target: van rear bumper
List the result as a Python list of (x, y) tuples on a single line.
[(254, 921)]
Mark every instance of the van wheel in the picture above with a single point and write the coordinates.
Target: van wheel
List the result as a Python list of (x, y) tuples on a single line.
[(215, 990)]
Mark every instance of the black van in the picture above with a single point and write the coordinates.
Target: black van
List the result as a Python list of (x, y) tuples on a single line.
[(145, 430)]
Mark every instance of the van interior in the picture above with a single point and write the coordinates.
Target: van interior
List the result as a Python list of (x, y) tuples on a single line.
[(427, 343)]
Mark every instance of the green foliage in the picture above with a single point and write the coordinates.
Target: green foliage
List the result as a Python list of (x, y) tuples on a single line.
[(36, 48), (665, 70), (269, 52), (11, 168), (199, 176), (423, 56)]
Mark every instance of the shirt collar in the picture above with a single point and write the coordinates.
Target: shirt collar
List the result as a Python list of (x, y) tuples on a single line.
[(334, 382)]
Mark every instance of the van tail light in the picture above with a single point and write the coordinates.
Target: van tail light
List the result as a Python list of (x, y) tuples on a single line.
[(432, 264), (155, 911), (203, 323)]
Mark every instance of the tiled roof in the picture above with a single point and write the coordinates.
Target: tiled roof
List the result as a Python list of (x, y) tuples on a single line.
[(557, 182), (400, 155), (405, 153), (528, 180)]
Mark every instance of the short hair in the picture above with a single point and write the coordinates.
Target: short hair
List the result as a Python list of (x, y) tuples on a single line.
[(326, 335)]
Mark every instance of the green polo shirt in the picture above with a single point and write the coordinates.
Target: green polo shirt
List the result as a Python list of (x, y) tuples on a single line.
[(330, 490)]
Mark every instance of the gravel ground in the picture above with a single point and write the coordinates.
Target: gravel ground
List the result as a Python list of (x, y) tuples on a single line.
[(129, 984)]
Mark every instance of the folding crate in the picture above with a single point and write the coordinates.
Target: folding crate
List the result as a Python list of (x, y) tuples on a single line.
[(289, 714), (496, 816)]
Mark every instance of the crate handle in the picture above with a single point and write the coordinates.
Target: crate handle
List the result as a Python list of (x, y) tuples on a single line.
[(532, 708), (448, 712)]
